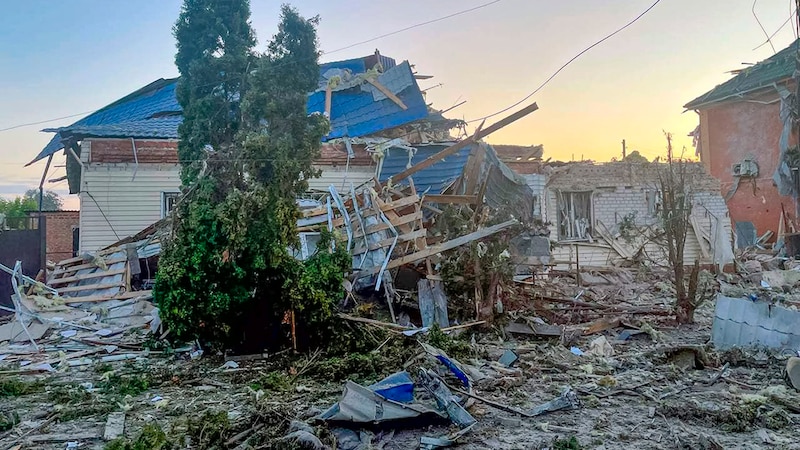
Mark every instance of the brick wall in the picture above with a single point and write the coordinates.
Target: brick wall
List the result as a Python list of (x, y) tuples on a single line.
[(158, 151), (60, 225)]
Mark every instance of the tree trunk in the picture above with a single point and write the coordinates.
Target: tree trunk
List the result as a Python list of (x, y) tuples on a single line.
[(686, 304)]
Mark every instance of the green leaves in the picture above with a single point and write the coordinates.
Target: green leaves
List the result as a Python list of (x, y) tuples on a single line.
[(247, 145)]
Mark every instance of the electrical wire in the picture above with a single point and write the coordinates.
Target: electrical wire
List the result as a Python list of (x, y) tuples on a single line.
[(769, 39), (391, 33), (45, 121), (568, 63)]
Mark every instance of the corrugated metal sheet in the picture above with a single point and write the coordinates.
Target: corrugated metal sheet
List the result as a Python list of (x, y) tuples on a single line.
[(743, 323), (355, 112), (154, 112), (432, 179)]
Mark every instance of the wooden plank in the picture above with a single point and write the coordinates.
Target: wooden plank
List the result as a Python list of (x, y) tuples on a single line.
[(449, 245), (387, 242), (402, 220), (455, 199), (387, 93), (102, 298), (460, 145), (86, 276), (86, 266), (90, 287)]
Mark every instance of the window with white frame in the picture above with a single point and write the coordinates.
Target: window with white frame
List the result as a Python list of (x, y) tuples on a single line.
[(168, 200), (574, 216)]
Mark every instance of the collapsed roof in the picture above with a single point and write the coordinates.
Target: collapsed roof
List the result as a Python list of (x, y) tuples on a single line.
[(369, 94), (776, 68)]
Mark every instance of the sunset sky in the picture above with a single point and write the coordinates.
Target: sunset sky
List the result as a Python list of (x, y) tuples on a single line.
[(64, 58)]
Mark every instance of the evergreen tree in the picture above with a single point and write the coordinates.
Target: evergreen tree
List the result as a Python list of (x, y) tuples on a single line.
[(247, 144)]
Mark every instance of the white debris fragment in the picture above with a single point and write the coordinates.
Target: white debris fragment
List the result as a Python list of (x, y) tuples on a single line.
[(68, 333)]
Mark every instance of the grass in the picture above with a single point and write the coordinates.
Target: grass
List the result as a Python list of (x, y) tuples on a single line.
[(14, 387)]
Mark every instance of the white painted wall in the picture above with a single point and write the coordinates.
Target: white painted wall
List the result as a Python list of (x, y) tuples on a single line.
[(341, 178), (115, 204)]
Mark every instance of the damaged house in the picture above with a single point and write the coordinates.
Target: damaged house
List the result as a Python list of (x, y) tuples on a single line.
[(746, 139), (122, 160), (597, 214), (388, 165)]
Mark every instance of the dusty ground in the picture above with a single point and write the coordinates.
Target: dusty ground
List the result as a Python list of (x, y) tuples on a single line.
[(641, 397)]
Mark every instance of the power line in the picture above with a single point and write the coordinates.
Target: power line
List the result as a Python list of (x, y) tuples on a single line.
[(568, 63), (769, 39), (45, 121), (391, 33)]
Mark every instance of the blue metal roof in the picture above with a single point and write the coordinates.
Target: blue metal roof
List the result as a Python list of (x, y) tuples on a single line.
[(154, 111), (355, 112), (432, 179)]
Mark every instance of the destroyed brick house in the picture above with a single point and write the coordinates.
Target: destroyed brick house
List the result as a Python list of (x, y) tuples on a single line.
[(588, 208), (746, 139)]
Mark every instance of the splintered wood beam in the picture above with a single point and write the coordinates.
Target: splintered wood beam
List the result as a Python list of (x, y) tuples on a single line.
[(443, 247), (387, 93), (454, 199), (479, 134), (328, 95)]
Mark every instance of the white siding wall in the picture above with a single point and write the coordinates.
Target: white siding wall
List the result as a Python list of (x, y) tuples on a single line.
[(341, 178), (114, 205)]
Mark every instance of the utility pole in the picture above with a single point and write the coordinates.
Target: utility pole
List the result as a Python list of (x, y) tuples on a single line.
[(796, 111), (624, 152)]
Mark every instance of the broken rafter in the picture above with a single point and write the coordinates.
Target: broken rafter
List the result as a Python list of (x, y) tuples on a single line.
[(387, 93), (479, 134)]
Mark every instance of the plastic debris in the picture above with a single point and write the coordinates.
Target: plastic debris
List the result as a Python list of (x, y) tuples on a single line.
[(567, 400), (576, 351), (398, 387), (508, 358)]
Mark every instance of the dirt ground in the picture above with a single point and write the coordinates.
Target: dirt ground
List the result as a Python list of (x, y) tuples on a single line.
[(666, 393)]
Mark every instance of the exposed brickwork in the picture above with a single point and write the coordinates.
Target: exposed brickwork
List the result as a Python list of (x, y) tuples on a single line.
[(156, 151), (60, 225)]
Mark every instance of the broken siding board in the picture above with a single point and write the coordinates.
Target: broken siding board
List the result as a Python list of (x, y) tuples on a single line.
[(70, 269), (90, 287), (102, 298), (88, 276)]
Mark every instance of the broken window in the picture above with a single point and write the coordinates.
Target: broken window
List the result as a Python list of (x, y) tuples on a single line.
[(654, 202), (308, 245), (574, 215), (168, 200)]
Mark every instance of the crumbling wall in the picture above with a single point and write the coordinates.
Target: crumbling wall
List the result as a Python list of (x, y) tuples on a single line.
[(611, 210)]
